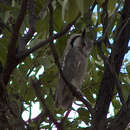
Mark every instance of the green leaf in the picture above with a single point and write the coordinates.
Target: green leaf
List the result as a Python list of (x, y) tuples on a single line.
[(3, 49), (84, 5), (46, 127), (50, 102), (116, 104), (111, 6), (69, 10), (126, 91), (128, 68), (58, 18), (39, 5), (42, 25), (84, 115), (6, 7), (60, 45), (100, 2), (49, 77)]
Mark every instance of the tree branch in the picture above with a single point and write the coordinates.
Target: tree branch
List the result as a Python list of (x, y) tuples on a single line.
[(106, 28), (65, 117), (3, 26), (117, 81), (12, 62), (52, 46), (108, 82), (122, 118), (32, 27), (43, 43), (45, 8), (39, 119), (76, 93), (36, 86), (51, 28)]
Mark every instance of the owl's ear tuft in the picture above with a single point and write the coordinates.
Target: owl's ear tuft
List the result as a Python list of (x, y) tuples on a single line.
[(83, 37), (83, 34)]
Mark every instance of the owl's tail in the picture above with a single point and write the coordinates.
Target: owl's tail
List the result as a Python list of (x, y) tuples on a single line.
[(63, 96)]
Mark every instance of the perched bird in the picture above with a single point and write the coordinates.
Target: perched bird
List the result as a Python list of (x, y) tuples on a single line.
[(74, 67)]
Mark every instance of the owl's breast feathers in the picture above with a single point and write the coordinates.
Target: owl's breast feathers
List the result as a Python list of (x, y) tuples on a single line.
[(74, 67)]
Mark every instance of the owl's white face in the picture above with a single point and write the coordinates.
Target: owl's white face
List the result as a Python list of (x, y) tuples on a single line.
[(81, 42)]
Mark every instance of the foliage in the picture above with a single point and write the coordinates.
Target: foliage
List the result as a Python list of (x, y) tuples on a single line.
[(101, 19)]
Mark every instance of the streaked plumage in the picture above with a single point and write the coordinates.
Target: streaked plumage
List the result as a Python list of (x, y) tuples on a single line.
[(74, 67)]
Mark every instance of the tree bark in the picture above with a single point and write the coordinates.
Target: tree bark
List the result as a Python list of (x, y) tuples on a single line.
[(122, 119), (107, 85)]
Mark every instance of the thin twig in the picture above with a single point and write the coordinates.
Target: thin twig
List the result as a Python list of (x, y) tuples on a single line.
[(45, 8), (65, 117), (24, 40), (109, 24), (32, 18), (36, 86), (43, 43), (38, 119), (30, 110), (32, 27), (3, 26), (11, 62)]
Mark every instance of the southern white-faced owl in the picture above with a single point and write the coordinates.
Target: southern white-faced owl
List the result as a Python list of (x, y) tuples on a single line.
[(74, 67)]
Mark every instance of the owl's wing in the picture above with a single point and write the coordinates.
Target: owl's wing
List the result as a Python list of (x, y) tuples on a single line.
[(74, 65), (73, 68)]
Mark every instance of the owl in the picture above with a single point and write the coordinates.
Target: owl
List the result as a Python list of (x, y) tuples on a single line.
[(74, 67)]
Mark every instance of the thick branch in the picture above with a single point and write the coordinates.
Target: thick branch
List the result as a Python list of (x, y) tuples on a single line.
[(12, 47), (108, 82), (122, 119), (51, 28), (10, 64), (43, 43), (32, 27), (117, 81)]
